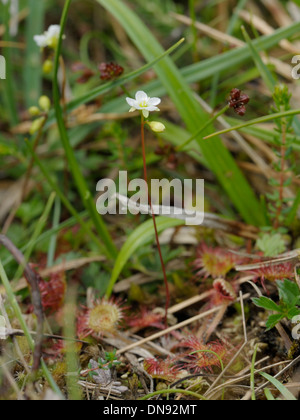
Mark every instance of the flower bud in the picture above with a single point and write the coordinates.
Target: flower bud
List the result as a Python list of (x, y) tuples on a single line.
[(47, 67), (34, 111), (36, 125), (44, 103), (156, 126)]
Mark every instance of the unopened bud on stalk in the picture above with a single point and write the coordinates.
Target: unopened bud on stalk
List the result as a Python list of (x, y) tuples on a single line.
[(36, 125), (45, 103), (156, 126), (34, 111), (47, 67)]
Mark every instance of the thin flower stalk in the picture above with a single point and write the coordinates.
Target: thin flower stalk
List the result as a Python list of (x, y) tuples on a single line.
[(145, 104), (154, 220)]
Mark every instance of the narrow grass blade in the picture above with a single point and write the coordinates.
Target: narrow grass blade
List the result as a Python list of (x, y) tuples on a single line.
[(260, 120), (264, 71), (281, 388), (32, 66), (192, 73), (80, 182), (235, 16), (52, 244), (269, 395), (9, 87)]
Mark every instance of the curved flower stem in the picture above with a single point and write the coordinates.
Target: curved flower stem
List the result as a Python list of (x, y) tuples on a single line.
[(154, 221)]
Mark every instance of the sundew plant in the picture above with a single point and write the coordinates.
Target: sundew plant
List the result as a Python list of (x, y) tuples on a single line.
[(149, 187)]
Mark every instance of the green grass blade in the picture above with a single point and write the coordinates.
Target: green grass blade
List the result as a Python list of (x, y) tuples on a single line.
[(80, 182), (139, 237), (259, 120), (269, 395), (281, 388), (264, 133), (9, 96), (217, 156), (53, 239), (264, 71), (235, 16), (32, 66), (193, 73), (234, 58)]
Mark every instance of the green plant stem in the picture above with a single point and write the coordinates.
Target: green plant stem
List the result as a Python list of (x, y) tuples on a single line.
[(207, 124), (80, 182), (154, 222), (174, 391), (193, 28)]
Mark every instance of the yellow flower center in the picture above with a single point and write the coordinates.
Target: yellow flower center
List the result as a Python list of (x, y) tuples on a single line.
[(143, 104)]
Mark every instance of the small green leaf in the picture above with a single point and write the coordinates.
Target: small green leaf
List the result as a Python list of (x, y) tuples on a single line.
[(271, 245), (273, 321), (293, 312), (266, 303), (289, 292)]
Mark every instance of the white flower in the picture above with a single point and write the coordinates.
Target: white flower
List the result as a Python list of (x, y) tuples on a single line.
[(49, 38), (143, 103)]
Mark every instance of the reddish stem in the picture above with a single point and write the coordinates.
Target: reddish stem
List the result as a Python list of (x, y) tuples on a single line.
[(154, 222)]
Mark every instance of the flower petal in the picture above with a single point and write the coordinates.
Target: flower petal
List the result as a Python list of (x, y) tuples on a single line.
[(141, 96), (145, 113), (54, 30), (154, 101), (40, 40), (131, 102), (152, 108)]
